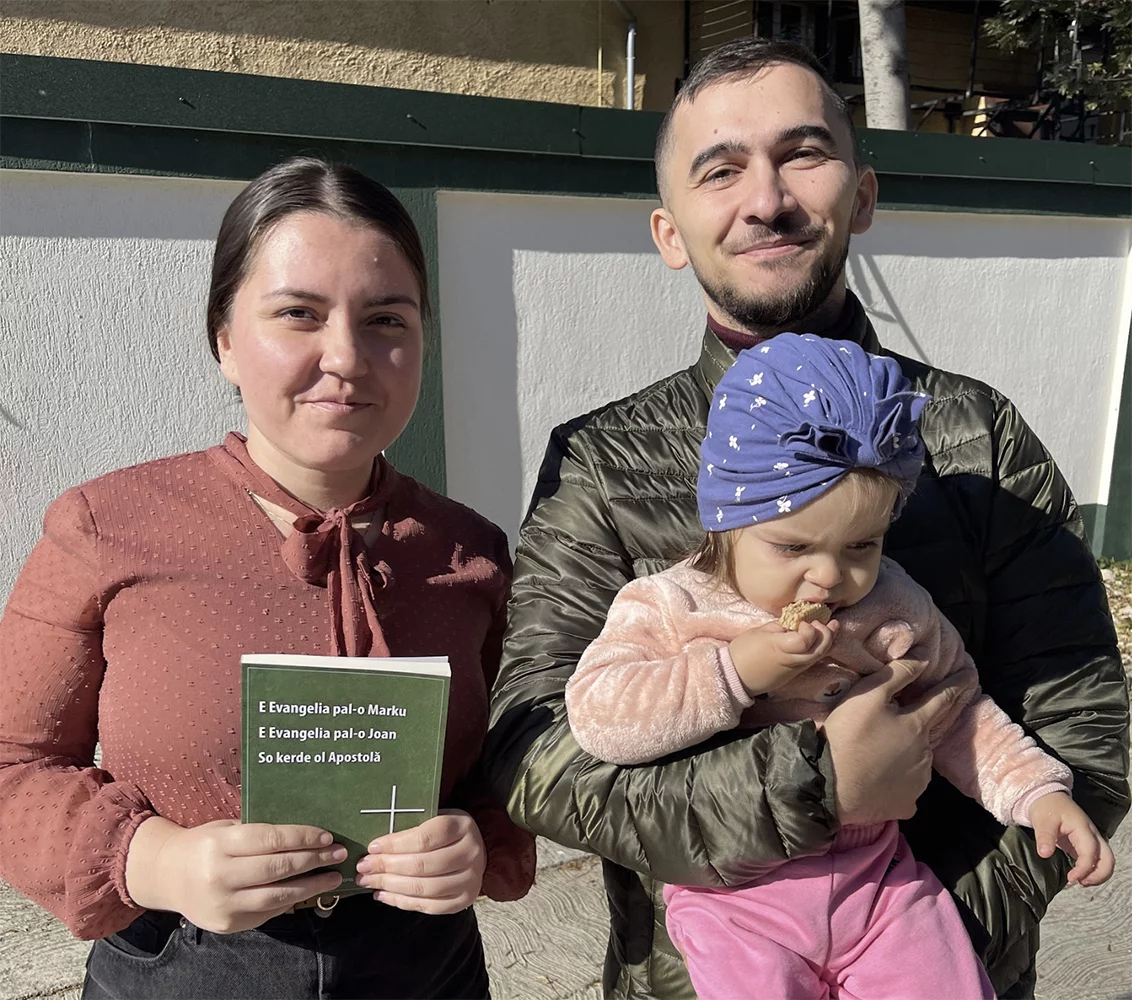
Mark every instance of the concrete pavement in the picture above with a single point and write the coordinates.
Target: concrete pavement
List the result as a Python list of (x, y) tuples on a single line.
[(550, 945)]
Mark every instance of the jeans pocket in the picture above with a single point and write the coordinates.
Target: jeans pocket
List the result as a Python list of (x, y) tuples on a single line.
[(152, 939)]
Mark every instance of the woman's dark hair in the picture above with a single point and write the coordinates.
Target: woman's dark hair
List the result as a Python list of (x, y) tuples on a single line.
[(304, 184)]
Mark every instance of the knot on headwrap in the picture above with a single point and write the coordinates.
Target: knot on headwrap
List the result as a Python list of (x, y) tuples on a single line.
[(792, 416)]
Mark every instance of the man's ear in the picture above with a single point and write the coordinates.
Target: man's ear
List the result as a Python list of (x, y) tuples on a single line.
[(667, 239), (865, 201), (228, 366)]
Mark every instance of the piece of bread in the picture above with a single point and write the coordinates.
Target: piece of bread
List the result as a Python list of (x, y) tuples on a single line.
[(803, 611)]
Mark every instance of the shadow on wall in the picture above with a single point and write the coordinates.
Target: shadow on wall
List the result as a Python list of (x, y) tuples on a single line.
[(105, 362), (866, 281), (935, 238)]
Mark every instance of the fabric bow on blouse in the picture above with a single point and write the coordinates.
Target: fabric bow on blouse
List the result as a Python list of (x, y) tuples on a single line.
[(324, 549)]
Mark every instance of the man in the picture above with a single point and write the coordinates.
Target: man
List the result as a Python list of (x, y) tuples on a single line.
[(761, 190)]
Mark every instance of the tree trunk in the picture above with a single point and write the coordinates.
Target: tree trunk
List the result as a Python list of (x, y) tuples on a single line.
[(885, 61)]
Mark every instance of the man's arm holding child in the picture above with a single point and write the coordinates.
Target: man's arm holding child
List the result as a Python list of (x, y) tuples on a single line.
[(990, 758), (1047, 656), (676, 820)]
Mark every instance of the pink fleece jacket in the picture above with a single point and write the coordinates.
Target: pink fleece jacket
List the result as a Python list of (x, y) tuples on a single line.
[(659, 679)]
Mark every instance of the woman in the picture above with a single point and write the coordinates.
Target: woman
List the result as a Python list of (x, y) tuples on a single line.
[(128, 620)]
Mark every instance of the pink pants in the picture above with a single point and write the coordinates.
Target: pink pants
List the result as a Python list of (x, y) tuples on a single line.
[(863, 922)]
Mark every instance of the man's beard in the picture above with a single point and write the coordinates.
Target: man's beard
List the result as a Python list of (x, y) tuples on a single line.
[(789, 308)]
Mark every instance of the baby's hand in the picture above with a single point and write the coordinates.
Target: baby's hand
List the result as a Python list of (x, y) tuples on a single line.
[(767, 656), (1059, 822)]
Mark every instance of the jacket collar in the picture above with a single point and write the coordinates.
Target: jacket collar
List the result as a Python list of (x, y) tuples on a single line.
[(716, 357)]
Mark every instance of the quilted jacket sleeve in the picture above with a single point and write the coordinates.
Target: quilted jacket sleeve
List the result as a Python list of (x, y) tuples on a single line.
[(663, 818), (1050, 643), (1048, 657)]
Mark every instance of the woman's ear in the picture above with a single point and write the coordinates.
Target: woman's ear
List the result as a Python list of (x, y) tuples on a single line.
[(228, 367)]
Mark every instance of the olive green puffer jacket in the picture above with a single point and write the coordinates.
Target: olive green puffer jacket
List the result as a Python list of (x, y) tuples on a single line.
[(992, 532)]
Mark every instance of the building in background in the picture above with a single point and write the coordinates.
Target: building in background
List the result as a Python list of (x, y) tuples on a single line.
[(603, 53), (961, 82), (564, 51)]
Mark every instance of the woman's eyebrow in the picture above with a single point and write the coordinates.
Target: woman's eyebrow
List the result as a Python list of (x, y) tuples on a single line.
[(394, 299), (718, 149), (295, 293)]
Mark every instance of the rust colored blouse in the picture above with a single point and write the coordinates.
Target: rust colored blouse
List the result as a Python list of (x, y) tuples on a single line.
[(127, 624)]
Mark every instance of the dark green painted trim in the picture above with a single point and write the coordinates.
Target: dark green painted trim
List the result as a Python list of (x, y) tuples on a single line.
[(1093, 516), (419, 451), (41, 144), (1110, 525), (122, 93), (82, 146), (933, 154), (88, 115)]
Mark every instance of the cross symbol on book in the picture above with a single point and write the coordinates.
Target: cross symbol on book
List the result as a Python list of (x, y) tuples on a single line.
[(392, 810)]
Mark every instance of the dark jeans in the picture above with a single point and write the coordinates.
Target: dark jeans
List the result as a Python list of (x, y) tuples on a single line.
[(362, 950)]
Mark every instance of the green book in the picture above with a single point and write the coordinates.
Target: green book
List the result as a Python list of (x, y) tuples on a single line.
[(353, 745)]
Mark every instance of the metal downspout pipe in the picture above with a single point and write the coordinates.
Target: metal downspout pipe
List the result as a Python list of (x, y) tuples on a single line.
[(630, 55)]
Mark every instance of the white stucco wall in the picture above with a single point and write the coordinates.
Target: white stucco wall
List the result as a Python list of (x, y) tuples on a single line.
[(551, 306), (104, 360)]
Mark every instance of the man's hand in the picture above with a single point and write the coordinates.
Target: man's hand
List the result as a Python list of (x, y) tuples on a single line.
[(1060, 823), (881, 751), (768, 656), (436, 867)]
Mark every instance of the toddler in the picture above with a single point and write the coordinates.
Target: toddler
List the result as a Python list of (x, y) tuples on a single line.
[(811, 451)]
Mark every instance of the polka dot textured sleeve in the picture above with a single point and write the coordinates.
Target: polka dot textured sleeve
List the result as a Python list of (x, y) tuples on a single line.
[(126, 628), (65, 825)]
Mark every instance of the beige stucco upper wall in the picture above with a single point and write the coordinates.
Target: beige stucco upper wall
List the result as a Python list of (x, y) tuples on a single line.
[(543, 50)]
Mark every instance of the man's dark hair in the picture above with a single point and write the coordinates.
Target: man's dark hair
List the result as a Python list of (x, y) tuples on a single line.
[(739, 59)]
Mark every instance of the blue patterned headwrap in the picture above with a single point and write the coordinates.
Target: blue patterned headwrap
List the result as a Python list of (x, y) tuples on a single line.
[(794, 415)]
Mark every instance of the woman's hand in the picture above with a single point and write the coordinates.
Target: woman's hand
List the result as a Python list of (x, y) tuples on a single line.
[(436, 867), (227, 876), (767, 656), (1060, 823)]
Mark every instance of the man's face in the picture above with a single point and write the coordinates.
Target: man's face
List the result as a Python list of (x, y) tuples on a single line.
[(761, 195)]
